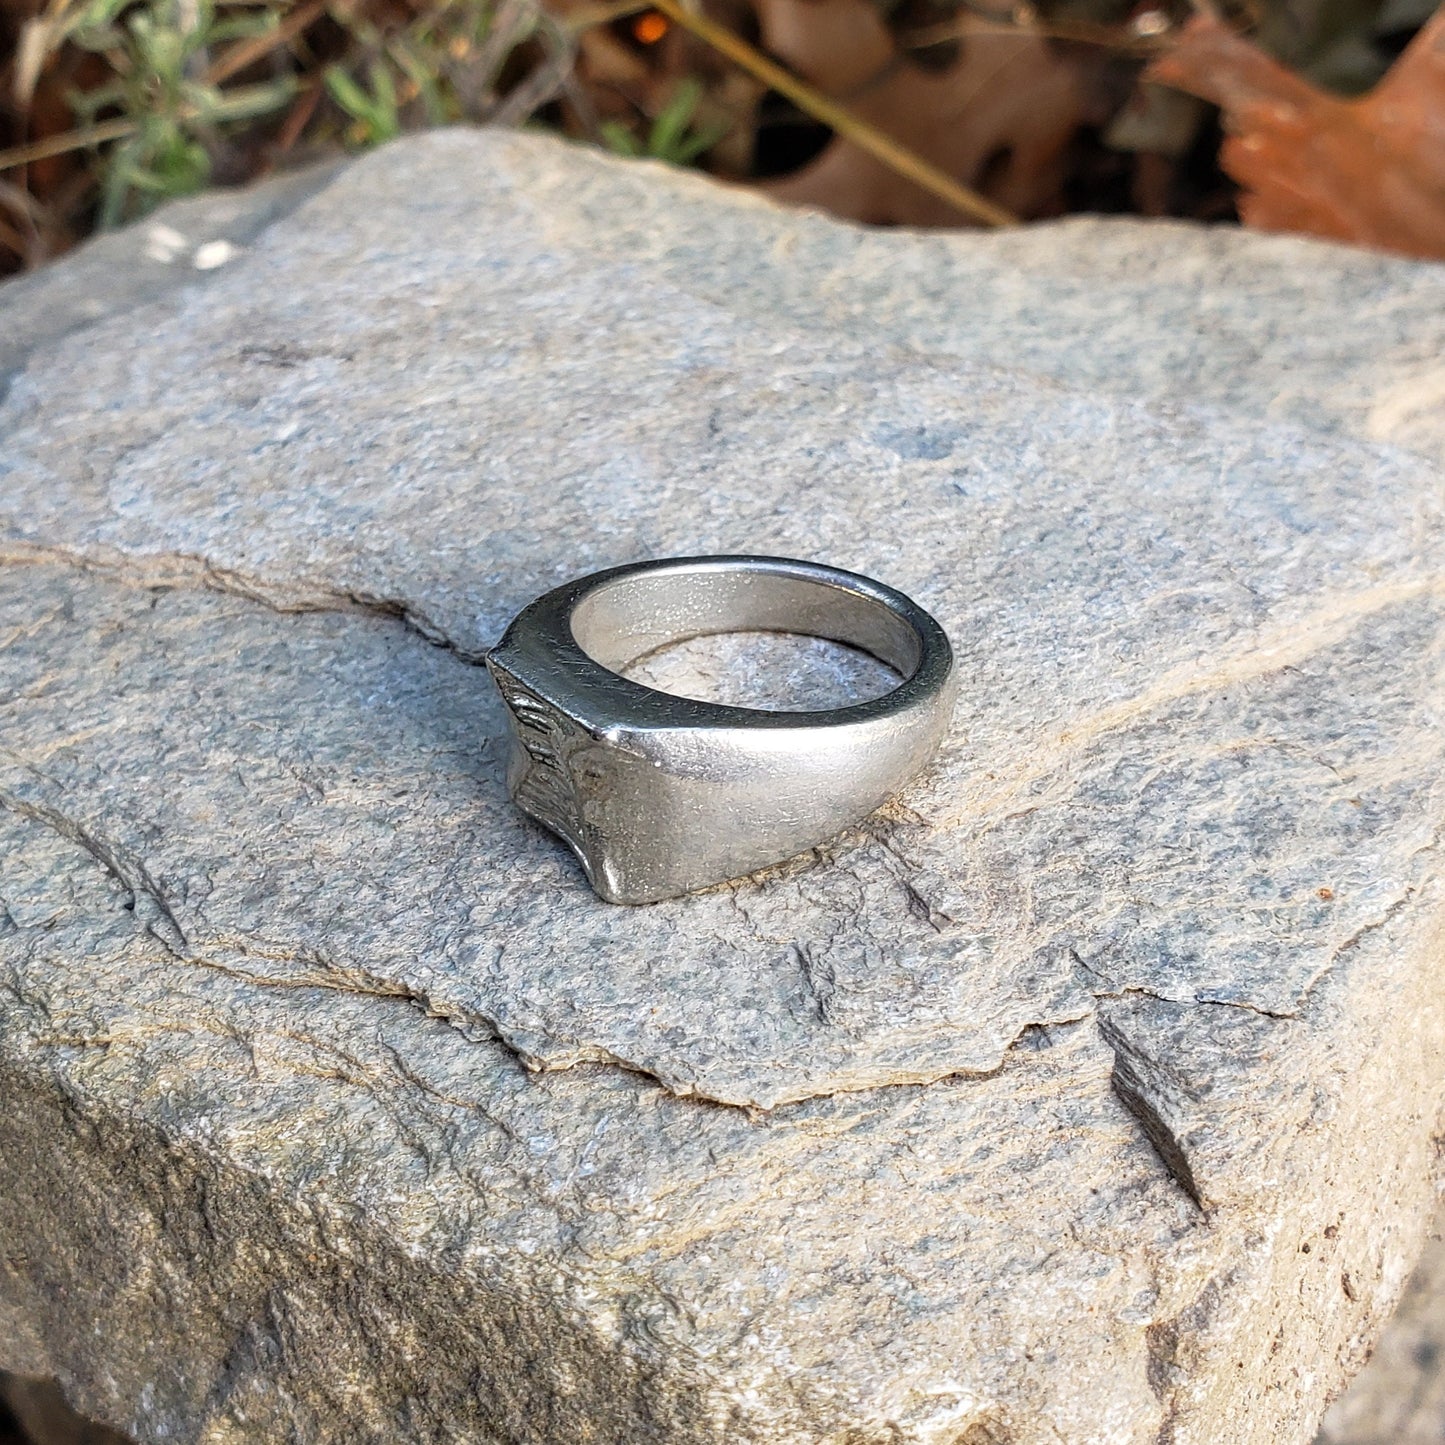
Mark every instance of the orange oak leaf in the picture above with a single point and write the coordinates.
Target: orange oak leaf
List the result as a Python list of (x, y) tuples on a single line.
[(1369, 170)]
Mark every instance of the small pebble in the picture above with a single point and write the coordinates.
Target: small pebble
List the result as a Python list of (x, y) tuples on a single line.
[(212, 254), (163, 244)]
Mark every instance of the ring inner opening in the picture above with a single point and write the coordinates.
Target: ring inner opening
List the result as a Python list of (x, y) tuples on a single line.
[(747, 638), (769, 671)]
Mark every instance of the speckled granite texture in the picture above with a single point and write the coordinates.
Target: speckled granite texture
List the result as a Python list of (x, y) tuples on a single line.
[(1087, 1093)]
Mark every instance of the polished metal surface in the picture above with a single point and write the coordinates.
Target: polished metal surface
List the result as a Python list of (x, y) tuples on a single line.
[(661, 795)]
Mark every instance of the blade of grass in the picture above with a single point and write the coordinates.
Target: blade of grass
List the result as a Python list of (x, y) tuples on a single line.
[(841, 121), (675, 117)]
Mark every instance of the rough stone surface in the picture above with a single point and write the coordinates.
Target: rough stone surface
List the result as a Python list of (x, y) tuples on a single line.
[(1088, 1093), (121, 270), (1399, 1397)]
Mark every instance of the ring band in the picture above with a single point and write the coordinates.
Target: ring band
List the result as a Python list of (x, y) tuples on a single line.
[(661, 795)]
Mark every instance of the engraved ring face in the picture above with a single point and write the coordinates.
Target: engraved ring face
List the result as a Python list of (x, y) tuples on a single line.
[(661, 795)]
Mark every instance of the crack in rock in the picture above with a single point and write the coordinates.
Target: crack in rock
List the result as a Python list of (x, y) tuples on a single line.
[(824, 915), (168, 570)]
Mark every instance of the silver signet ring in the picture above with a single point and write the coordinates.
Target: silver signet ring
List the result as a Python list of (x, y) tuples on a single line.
[(661, 795)]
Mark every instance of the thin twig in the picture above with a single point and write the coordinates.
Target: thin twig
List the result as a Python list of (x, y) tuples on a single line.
[(588, 16), (66, 140), (297, 119), (511, 23), (547, 79), (247, 52), (1080, 32), (843, 122), (13, 241), (585, 112)]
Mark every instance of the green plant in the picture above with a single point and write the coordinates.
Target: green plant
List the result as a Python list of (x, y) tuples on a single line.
[(439, 68), (164, 93), (674, 135), (374, 112), (158, 53)]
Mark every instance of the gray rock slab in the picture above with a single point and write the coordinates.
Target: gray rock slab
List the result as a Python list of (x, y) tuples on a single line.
[(1085, 1093)]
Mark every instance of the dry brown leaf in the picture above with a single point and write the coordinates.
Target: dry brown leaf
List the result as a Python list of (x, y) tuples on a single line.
[(998, 120), (835, 45), (1370, 170)]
